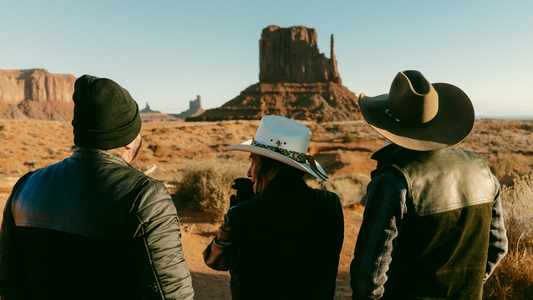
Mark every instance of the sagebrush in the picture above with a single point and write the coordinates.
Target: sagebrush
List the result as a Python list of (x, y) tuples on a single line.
[(350, 189), (513, 278), (503, 165), (206, 185)]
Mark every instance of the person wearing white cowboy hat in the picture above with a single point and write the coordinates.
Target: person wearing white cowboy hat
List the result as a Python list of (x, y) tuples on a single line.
[(432, 226), (280, 239)]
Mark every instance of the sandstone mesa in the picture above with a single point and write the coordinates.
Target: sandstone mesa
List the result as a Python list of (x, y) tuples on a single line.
[(295, 81), (36, 94)]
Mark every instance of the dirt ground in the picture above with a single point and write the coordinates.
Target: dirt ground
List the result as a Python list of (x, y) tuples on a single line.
[(343, 148), (29, 145)]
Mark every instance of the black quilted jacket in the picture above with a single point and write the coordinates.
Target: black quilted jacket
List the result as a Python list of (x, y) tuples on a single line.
[(91, 227)]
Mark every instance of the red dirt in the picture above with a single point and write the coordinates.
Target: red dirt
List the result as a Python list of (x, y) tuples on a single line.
[(28, 145)]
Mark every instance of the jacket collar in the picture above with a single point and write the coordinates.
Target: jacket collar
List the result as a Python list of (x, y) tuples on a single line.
[(387, 155), (97, 154), (281, 184)]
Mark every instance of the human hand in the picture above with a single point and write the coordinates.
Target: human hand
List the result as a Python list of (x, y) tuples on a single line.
[(245, 190)]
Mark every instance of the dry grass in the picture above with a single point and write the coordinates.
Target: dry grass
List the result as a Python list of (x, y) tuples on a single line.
[(513, 278), (504, 165), (348, 137), (205, 185), (350, 189), (191, 156)]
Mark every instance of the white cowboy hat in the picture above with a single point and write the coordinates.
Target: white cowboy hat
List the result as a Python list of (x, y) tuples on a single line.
[(284, 140), (419, 115)]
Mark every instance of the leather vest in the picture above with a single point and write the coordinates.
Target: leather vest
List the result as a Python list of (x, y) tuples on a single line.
[(441, 250), (444, 180)]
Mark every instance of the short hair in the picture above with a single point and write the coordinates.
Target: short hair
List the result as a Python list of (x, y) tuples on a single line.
[(113, 152)]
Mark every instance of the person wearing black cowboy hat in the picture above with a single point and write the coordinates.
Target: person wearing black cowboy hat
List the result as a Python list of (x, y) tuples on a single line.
[(280, 239), (433, 226)]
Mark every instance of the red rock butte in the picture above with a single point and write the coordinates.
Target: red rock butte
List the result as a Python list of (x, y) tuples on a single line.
[(295, 81), (36, 94)]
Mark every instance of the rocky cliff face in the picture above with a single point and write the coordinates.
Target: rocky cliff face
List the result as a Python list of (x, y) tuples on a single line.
[(296, 81), (36, 94), (292, 55), (299, 101)]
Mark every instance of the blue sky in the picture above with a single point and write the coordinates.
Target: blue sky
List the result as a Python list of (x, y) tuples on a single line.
[(167, 52)]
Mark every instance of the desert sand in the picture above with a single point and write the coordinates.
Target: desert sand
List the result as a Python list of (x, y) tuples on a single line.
[(28, 145)]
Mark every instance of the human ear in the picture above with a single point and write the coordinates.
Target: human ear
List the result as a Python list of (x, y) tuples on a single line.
[(129, 146)]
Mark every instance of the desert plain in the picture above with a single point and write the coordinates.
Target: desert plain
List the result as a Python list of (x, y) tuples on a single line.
[(343, 148)]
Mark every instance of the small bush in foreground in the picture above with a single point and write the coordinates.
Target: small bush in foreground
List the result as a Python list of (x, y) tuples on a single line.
[(350, 189), (513, 278), (322, 119), (206, 185), (348, 138), (505, 164)]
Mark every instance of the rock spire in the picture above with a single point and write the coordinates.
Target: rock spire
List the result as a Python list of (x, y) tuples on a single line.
[(295, 81), (292, 55)]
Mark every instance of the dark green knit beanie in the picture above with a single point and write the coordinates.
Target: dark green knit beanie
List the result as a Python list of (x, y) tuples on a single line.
[(105, 115)]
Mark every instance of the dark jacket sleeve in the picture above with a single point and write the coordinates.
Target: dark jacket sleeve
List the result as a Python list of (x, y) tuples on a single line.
[(13, 277), (219, 253), (498, 243), (157, 250), (334, 237)]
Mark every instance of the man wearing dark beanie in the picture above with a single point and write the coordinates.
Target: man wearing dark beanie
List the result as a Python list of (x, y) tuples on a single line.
[(92, 226)]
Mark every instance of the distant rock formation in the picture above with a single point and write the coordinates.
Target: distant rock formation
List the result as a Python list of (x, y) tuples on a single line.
[(36, 94), (157, 117), (149, 115), (147, 110), (195, 109), (295, 81), (292, 55)]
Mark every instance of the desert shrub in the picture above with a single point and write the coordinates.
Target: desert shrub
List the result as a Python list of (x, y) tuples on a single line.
[(322, 119), (334, 128), (350, 189), (206, 185), (505, 164), (348, 137), (513, 278)]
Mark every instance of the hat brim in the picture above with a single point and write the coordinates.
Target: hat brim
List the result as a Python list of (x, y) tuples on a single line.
[(247, 147), (453, 123)]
